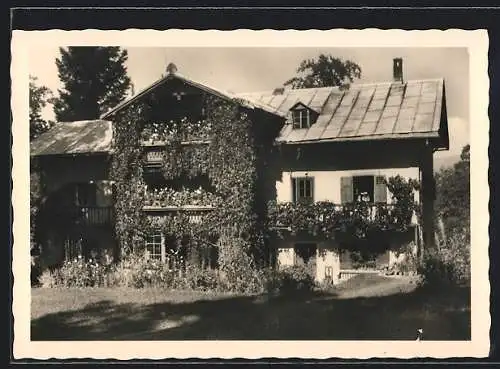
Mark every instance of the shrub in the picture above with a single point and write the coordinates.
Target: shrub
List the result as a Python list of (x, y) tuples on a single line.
[(449, 264), (290, 280), (136, 271), (82, 273), (49, 279), (198, 279)]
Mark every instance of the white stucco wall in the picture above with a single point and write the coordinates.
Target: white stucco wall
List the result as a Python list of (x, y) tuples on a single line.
[(326, 256), (327, 183)]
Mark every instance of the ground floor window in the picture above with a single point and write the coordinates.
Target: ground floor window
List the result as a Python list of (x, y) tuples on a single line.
[(155, 246)]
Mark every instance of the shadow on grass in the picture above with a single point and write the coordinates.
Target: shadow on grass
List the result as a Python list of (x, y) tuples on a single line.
[(442, 316)]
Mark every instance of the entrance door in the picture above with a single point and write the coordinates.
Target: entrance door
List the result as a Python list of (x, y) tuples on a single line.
[(305, 255)]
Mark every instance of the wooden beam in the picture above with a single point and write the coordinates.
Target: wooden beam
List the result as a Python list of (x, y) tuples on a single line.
[(428, 198)]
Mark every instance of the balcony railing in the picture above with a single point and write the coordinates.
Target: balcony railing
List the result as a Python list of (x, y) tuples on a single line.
[(93, 215), (195, 213), (330, 217)]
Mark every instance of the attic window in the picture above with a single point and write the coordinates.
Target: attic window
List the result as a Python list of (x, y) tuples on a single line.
[(301, 118)]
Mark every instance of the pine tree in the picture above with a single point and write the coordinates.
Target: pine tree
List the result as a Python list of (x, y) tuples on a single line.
[(94, 81), (39, 97)]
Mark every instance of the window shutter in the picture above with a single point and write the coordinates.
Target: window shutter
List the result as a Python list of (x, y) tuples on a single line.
[(346, 193), (294, 190), (380, 189), (311, 183)]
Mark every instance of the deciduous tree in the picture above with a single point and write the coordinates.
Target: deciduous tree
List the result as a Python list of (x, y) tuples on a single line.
[(325, 71)]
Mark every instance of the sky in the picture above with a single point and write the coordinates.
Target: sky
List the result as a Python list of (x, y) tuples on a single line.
[(249, 69)]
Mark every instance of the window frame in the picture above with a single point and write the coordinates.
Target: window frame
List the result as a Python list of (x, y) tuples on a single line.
[(154, 243), (304, 118), (296, 189)]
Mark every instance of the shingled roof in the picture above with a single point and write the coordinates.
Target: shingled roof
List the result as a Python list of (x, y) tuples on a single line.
[(81, 137), (366, 111), (389, 110)]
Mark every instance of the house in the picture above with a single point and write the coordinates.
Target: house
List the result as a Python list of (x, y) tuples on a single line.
[(323, 148)]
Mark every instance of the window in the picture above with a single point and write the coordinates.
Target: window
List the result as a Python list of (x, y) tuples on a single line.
[(363, 188), (301, 118), (303, 189), (155, 247)]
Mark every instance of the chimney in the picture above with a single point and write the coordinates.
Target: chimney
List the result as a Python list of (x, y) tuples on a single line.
[(171, 68), (397, 70)]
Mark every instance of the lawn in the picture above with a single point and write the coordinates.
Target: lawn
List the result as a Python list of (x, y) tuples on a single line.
[(364, 308)]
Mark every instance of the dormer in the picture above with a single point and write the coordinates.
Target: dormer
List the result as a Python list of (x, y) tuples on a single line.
[(303, 116)]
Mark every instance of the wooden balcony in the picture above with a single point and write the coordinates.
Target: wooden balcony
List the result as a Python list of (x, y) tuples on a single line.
[(93, 215), (305, 216), (154, 149), (195, 213)]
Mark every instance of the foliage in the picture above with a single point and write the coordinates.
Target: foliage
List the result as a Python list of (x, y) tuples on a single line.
[(228, 160), (39, 97), (290, 280), (238, 271), (453, 196), (410, 263), (169, 197), (137, 271), (448, 265), (183, 129), (96, 73), (49, 279), (83, 273), (324, 71), (362, 220)]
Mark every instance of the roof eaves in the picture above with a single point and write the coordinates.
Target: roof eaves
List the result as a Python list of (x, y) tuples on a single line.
[(202, 86)]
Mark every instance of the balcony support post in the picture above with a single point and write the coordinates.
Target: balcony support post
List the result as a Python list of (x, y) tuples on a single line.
[(427, 198)]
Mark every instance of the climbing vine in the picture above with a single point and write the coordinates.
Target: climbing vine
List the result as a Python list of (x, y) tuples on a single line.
[(358, 220), (221, 147)]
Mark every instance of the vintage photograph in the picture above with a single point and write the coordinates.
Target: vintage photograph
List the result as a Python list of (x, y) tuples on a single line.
[(249, 193)]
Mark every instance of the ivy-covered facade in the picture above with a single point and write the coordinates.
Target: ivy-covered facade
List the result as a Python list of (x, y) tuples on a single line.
[(203, 177)]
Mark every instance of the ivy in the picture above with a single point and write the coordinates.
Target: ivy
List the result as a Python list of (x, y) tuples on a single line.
[(227, 155), (358, 220)]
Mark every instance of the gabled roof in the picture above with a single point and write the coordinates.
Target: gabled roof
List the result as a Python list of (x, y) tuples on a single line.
[(82, 137), (364, 112), (246, 102), (301, 104)]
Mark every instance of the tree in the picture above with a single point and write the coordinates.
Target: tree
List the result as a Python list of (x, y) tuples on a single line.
[(325, 71), (94, 79), (39, 97), (453, 194)]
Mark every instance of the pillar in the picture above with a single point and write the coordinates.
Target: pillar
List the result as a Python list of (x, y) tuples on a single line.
[(428, 197)]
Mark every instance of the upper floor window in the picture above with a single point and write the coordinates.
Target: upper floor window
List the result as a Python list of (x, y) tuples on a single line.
[(371, 189), (303, 189), (301, 118)]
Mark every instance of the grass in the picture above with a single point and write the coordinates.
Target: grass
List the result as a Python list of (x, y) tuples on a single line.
[(363, 308)]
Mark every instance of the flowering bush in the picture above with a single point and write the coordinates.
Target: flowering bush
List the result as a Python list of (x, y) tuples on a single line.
[(169, 197), (183, 130), (83, 273), (135, 270)]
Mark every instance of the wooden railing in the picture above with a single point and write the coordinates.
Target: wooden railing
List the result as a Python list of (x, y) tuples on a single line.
[(94, 215), (154, 150), (287, 215), (195, 213)]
